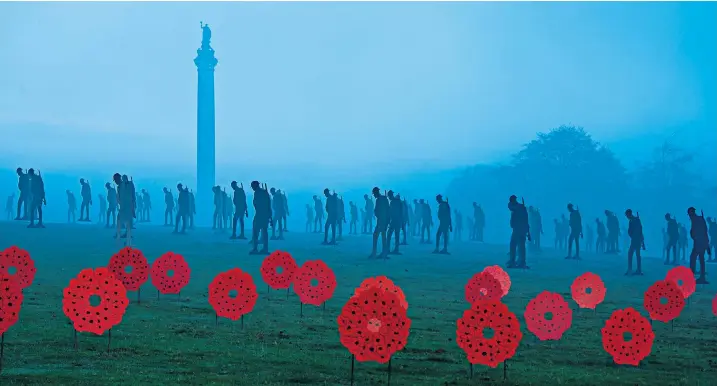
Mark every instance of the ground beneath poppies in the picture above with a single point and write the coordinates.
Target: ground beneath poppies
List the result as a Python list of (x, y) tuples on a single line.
[(174, 339)]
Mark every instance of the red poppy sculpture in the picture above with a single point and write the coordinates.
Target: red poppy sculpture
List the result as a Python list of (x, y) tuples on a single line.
[(489, 333), (385, 284), (664, 301), (588, 290), (18, 259), (684, 278), (500, 275), (628, 337), (374, 325), (130, 267), (232, 294), (278, 270), (314, 282), (170, 273), (548, 316), (483, 286), (10, 301), (95, 301), (714, 306)]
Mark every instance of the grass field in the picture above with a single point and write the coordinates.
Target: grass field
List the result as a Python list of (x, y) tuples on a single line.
[(174, 340)]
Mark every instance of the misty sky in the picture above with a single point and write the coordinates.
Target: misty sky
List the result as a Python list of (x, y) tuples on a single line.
[(343, 85)]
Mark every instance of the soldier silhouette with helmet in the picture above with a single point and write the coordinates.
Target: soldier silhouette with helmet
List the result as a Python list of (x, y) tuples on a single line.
[(521, 232), (240, 210), (331, 217), (700, 243), (576, 232), (262, 218), (395, 222), (445, 225), (182, 209), (382, 213), (672, 236), (637, 243), (36, 198)]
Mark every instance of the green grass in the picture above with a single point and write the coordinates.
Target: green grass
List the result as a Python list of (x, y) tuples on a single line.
[(174, 339)]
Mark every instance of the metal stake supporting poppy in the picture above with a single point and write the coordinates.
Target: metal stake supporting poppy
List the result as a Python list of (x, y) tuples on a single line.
[(157, 294), (109, 340), (2, 350), (139, 291), (287, 292), (353, 360), (75, 333), (389, 371), (301, 312), (470, 370), (505, 369), (242, 322), (216, 320)]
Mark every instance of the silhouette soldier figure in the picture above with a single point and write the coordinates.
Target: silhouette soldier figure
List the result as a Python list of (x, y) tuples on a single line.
[(613, 232), (331, 217), (672, 236), (279, 214), (395, 222), (427, 220), (36, 198), (192, 209), (682, 242), (369, 214), (262, 218), (308, 228), (417, 217), (576, 232), (126, 198), (139, 209), (319, 217), (601, 242), (182, 209), (228, 208), (86, 194), (459, 225), (383, 215), (637, 243), (536, 224), (521, 232), (479, 218), (169, 207), (700, 243), (23, 200), (407, 219), (590, 238), (353, 224), (341, 219), (218, 215), (240, 210), (102, 214), (363, 220), (445, 225), (713, 238), (71, 207), (147, 206), (9, 207), (111, 205), (286, 213)]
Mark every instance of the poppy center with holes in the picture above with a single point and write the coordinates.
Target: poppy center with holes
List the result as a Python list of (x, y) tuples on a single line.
[(588, 290), (11, 270), (95, 300), (170, 273), (374, 325), (680, 282), (627, 336), (488, 332), (548, 315), (483, 291), (279, 270), (314, 282), (128, 269), (233, 293), (663, 300)]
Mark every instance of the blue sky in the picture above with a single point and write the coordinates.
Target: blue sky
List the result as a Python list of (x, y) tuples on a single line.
[(338, 86)]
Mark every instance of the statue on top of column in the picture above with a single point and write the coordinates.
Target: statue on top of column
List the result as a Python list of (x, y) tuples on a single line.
[(206, 35)]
